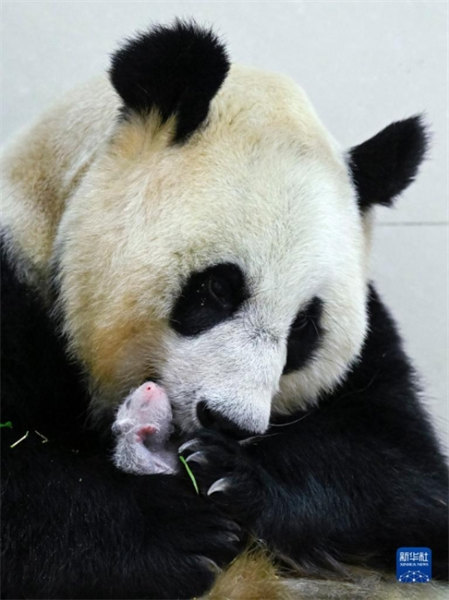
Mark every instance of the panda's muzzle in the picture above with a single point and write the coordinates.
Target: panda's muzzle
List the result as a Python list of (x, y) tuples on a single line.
[(212, 419)]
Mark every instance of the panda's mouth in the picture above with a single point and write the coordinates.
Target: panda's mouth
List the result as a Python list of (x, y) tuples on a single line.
[(217, 422), (204, 418)]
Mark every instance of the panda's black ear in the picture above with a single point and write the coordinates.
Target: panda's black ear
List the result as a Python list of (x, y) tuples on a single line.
[(176, 70), (383, 166)]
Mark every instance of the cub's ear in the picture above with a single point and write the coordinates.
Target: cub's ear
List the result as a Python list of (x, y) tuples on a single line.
[(383, 166), (176, 70)]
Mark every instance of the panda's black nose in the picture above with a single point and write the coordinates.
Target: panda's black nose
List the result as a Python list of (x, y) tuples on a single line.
[(212, 419)]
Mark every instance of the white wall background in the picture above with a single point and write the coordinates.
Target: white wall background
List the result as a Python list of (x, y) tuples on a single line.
[(364, 64)]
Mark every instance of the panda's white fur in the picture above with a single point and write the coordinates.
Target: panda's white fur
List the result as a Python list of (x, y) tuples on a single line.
[(263, 185), (42, 168)]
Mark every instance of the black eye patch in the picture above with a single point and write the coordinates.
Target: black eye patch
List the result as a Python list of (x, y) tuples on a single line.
[(209, 297), (304, 337)]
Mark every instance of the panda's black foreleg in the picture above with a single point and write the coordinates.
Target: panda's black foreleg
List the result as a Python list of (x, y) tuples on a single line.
[(75, 527), (318, 494)]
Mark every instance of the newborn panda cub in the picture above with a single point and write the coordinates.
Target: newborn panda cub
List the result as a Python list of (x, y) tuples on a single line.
[(142, 426)]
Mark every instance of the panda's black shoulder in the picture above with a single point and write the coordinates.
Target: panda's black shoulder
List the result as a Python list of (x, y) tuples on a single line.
[(383, 358), (42, 389), (381, 395)]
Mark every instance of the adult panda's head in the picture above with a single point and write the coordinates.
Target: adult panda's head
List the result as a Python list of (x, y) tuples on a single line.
[(219, 240)]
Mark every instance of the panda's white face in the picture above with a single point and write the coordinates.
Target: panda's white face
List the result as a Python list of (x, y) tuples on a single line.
[(230, 267)]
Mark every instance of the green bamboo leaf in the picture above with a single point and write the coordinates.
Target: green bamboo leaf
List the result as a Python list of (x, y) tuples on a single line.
[(190, 474)]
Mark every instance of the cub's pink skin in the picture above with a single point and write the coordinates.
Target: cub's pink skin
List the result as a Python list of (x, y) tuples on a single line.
[(143, 425)]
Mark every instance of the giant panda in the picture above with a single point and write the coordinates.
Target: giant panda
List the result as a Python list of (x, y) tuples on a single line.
[(192, 222)]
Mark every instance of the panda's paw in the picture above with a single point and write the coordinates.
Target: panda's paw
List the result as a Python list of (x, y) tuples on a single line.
[(224, 473), (204, 542)]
